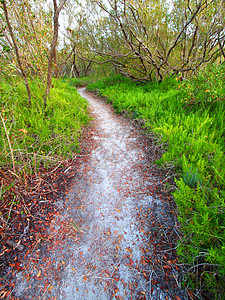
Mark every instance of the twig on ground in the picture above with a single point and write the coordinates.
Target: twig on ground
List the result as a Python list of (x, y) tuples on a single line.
[(10, 146), (16, 245), (55, 168)]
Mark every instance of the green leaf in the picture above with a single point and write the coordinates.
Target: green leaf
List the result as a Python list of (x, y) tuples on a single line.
[(6, 48)]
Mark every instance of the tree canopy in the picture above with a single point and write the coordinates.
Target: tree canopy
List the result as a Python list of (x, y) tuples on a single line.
[(145, 40)]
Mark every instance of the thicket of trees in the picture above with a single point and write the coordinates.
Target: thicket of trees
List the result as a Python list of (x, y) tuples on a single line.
[(145, 40), (29, 35), (149, 39)]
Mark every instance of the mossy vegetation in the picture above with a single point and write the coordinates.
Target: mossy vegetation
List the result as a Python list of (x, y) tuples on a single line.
[(188, 116)]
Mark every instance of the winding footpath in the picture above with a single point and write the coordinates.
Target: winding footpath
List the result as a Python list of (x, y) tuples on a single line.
[(113, 236)]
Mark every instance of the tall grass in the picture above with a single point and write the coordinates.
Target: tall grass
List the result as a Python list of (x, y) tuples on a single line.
[(84, 80), (189, 118), (45, 131), (34, 135), (81, 81)]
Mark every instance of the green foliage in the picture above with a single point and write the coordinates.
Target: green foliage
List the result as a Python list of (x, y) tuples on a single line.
[(38, 131), (94, 81), (208, 87), (189, 117), (81, 81), (108, 81)]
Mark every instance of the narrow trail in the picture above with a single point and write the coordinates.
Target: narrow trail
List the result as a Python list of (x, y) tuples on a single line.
[(112, 237)]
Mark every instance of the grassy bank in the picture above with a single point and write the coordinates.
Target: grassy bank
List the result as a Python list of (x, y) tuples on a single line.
[(50, 130), (34, 135), (188, 117)]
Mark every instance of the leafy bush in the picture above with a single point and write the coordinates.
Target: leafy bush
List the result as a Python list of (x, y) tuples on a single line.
[(189, 116), (208, 87)]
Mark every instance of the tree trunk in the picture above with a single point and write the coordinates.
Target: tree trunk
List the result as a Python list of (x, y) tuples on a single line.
[(16, 50), (87, 68), (57, 10), (74, 65)]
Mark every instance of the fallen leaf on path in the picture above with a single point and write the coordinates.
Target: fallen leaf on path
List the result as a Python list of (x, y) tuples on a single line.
[(166, 267), (39, 274)]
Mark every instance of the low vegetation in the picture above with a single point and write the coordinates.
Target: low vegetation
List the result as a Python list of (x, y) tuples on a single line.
[(84, 80), (187, 117), (36, 135)]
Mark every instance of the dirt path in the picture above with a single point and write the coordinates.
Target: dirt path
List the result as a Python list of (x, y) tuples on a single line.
[(113, 235)]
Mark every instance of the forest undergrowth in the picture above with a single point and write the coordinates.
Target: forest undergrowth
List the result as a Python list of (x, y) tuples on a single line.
[(187, 118), (35, 140), (37, 135)]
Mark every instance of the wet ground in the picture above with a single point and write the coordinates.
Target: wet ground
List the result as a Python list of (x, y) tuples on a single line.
[(113, 234)]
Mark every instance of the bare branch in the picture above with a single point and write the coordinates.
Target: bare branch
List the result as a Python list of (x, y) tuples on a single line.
[(16, 49)]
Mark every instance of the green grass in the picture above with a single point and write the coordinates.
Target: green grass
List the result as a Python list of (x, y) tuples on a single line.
[(82, 81), (189, 117), (36, 130), (79, 82)]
